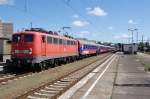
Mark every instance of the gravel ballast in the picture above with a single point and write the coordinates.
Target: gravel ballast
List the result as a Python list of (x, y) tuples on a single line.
[(14, 88)]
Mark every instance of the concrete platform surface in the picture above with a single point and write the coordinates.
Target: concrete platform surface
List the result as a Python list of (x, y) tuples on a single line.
[(124, 79), (104, 86), (132, 82)]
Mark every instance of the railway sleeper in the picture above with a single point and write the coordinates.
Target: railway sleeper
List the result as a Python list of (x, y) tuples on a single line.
[(44, 94), (53, 88), (36, 97), (59, 86), (49, 91), (62, 82), (41, 96)]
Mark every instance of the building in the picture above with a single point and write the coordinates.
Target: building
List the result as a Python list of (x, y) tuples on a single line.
[(5, 49), (130, 48), (6, 30)]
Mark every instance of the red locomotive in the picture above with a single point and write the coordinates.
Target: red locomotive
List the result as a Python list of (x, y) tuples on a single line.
[(36, 48)]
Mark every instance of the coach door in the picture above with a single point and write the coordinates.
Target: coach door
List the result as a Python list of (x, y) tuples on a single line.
[(43, 45)]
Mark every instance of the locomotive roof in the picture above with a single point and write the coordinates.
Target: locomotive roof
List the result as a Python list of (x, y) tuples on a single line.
[(41, 33)]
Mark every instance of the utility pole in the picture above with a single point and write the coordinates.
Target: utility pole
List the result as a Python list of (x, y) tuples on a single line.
[(129, 40), (142, 38), (25, 6), (31, 24), (137, 34), (132, 30)]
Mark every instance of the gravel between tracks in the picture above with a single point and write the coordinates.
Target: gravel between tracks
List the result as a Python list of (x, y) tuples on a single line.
[(12, 89)]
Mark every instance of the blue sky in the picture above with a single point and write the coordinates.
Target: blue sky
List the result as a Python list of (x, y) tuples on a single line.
[(102, 20)]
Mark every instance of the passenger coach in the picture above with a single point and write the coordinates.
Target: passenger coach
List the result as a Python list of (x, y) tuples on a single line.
[(87, 48)]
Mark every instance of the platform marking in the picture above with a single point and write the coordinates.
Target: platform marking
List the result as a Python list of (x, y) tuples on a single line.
[(83, 81), (99, 77)]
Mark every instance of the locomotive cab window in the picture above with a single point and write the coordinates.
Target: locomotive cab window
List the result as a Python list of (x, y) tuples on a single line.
[(16, 38), (28, 38)]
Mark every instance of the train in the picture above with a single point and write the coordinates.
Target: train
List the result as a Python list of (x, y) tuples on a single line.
[(39, 49)]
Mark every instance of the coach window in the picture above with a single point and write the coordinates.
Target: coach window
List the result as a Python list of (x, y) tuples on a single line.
[(75, 43), (84, 46), (49, 40), (72, 43), (55, 41), (68, 42), (65, 42), (60, 41)]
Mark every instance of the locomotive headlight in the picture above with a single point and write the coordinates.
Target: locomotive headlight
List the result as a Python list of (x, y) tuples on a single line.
[(29, 51), (16, 51)]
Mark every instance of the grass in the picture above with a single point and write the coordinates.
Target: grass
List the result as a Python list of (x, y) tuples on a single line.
[(147, 67), (147, 53)]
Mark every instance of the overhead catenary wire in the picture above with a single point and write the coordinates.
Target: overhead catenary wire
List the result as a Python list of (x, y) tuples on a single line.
[(25, 6), (67, 3)]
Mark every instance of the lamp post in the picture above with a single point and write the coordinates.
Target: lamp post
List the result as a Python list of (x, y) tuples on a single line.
[(136, 35), (132, 31)]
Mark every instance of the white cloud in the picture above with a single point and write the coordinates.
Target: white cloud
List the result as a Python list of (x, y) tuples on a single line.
[(80, 23), (132, 22), (6, 2), (121, 36), (75, 16), (110, 28), (97, 11)]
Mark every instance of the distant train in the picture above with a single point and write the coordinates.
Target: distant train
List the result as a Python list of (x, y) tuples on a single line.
[(37, 49)]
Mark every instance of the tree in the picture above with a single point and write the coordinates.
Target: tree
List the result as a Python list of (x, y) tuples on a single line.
[(141, 46)]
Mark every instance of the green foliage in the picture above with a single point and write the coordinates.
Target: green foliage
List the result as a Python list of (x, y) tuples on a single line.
[(141, 46), (147, 67)]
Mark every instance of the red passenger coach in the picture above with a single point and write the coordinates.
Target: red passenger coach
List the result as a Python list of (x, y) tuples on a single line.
[(37, 48)]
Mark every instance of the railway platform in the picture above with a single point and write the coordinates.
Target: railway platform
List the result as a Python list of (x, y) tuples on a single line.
[(124, 79)]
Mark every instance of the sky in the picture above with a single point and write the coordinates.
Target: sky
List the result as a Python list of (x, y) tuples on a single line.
[(101, 20)]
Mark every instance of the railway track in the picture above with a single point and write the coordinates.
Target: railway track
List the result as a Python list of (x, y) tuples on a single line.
[(6, 78), (53, 90)]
